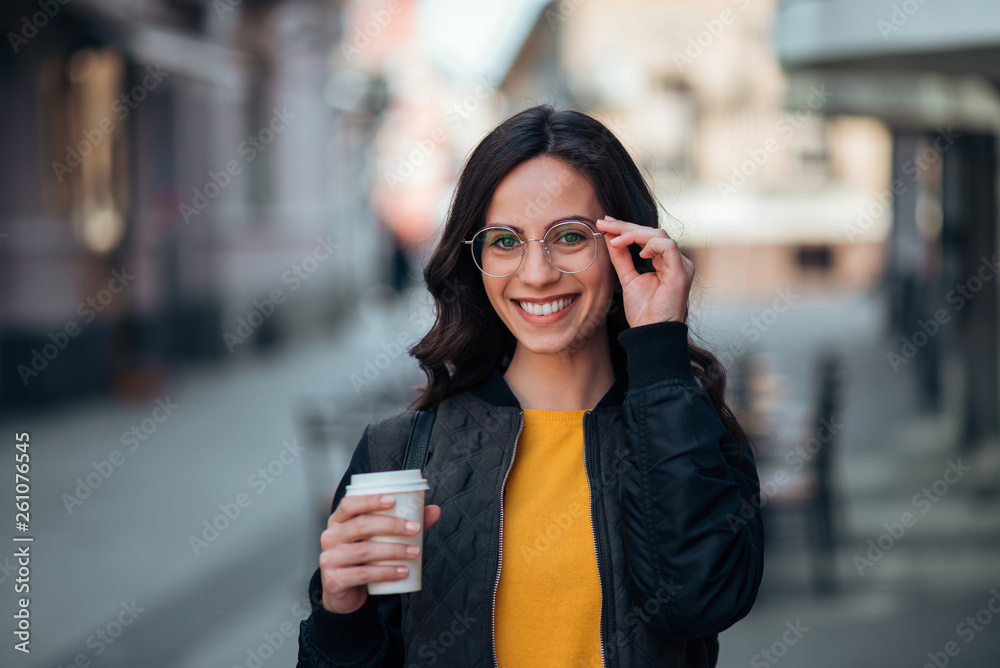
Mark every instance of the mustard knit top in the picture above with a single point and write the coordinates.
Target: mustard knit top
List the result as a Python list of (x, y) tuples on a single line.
[(549, 599)]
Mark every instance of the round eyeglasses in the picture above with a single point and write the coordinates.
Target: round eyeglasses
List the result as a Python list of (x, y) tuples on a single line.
[(570, 247)]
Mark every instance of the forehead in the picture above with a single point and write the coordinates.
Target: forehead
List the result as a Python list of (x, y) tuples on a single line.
[(539, 192)]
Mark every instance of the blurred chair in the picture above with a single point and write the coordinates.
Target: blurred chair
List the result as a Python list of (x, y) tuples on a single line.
[(332, 426), (807, 488), (327, 433)]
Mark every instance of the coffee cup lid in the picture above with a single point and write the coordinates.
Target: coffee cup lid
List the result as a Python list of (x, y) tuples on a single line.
[(411, 480)]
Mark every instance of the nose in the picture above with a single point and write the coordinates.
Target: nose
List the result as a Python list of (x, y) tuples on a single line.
[(535, 268)]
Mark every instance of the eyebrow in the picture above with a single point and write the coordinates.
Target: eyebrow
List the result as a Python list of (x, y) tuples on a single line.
[(550, 225)]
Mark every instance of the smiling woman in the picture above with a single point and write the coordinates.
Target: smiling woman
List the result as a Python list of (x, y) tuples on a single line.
[(562, 379)]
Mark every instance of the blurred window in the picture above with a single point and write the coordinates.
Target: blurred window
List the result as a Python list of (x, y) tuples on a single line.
[(814, 258), (83, 144), (812, 151)]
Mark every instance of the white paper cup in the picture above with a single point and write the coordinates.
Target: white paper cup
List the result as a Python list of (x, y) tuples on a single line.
[(408, 487)]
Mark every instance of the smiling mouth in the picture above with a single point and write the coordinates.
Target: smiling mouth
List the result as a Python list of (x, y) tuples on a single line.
[(547, 308)]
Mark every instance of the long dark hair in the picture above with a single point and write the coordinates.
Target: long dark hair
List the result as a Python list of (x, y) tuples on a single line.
[(468, 339)]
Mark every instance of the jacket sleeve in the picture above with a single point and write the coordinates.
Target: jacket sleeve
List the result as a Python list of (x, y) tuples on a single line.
[(694, 538), (369, 637)]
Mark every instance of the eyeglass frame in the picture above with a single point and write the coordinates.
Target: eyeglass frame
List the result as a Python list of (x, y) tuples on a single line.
[(524, 242)]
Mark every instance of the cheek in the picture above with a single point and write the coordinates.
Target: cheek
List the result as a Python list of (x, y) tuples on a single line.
[(494, 291), (606, 286)]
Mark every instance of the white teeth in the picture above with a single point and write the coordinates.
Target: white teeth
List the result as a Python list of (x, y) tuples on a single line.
[(546, 309)]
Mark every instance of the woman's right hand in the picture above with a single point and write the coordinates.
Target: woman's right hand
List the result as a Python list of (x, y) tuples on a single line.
[(344, 565)]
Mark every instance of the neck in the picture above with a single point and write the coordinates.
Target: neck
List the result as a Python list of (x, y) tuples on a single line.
[(565, 381)]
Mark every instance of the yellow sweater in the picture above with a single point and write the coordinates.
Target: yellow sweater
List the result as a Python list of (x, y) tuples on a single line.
[(549, 598)]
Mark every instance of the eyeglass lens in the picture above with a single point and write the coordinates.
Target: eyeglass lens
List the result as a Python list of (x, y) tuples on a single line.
[(570, 247)]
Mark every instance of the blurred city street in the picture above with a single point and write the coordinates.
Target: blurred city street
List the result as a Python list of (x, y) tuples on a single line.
[(215, 221), (216, 603)]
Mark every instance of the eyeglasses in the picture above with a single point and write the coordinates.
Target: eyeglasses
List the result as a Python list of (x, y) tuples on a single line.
[(570, 246)]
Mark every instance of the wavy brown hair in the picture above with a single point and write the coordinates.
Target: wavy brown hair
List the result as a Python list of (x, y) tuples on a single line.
[(468, 339)]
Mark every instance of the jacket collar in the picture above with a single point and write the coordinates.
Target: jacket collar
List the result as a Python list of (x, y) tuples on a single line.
[(495, 390)]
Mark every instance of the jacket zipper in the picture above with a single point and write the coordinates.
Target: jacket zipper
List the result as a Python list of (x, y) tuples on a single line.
[(593, 529), (496, 584)]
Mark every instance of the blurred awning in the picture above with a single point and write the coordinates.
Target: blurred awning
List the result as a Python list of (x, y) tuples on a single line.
[(190, 57), (960, 36), (470, 41)]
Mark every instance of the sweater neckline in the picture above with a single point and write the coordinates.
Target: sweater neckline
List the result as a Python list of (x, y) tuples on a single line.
[(542, 416), (496, 391)]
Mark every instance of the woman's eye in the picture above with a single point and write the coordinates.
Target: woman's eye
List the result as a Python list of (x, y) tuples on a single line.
[(505, 241), (569, 237)]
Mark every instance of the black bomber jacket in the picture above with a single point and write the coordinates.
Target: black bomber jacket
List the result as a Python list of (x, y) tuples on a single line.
[(678, 556)]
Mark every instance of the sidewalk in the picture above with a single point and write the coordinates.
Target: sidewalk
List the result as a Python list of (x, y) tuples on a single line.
[(205, 523), (904, 594)]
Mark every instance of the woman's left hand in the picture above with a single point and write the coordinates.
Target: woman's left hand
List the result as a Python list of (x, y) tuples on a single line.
[(659, 296)]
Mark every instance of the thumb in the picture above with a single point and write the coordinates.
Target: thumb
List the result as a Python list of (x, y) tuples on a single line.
[(431, 515)]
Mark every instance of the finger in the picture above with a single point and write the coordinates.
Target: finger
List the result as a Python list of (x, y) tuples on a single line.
[(661, 246), (367, 551), (365, 526), (351, 506), (612, 224), (345, 578), (622, 261), (639, 235), (432, 514)]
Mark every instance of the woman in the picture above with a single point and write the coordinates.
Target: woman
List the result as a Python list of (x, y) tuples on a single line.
[(619, 534)]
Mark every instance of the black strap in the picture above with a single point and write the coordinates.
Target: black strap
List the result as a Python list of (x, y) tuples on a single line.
[(420, 440)]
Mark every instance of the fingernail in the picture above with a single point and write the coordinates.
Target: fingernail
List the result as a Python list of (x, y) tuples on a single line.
[(412, 551), (387, 499), (401, 570), (412, 527)]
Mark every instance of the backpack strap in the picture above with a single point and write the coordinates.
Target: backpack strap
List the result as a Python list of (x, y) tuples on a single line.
[(420, 440)]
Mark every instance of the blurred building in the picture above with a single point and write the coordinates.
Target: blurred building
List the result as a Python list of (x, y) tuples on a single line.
[(931, 72), (692, 88), (180, 182), (757, 189)]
